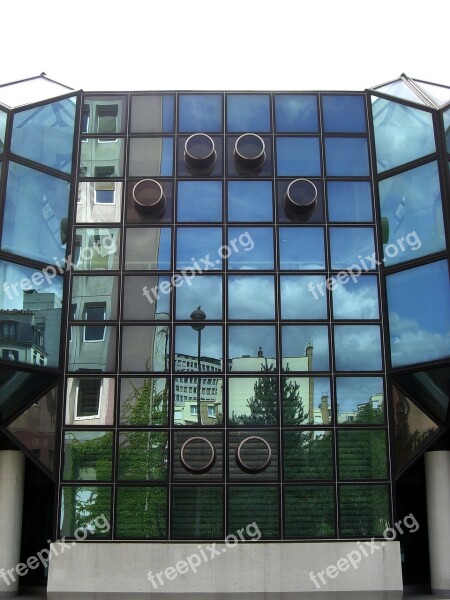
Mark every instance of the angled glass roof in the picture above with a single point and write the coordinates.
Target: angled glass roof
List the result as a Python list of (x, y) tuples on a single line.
[(27, 91), (399, 89), (438, 93), (414, 90)]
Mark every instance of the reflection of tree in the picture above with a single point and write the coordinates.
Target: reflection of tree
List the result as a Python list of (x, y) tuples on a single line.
[(145, 405)]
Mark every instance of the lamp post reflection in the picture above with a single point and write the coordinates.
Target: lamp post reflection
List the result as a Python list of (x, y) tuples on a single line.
[(198, 316)]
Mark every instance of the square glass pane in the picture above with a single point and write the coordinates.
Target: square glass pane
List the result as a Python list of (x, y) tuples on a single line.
[(251, 297), (188, 394), (305, 348), (195, 244), (141, 512), (316, 519), (200, 113), (362, 454), (301, 248), (104, 114), (145, 348), (308, 455), (259, 251), (363, 510), (197, 455), (152, 114), (97, 356), (94, 290), (96, 249), (346, 157), (86, 508), (250, 201), (199, 201), (344, 113), (248, 112), (148, 248), (357, 348), (254, 505), (298, 156), (197, 512), (88, 455), (189, 343), (143, 455), (102, 157), (151, 157), (349, 201), (296, 113), (90, 401), (360, 400), (253, 401), (419, 314), (36, 207), (299, 297), (306, 401), (352, 248), (146, 297), (355, 299), (144, 401), (252, 348), (99, 202), (253, 455), (412, 205), (204, 291)]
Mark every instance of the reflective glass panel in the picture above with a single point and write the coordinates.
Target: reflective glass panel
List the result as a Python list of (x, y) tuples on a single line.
[(248, 112), (152, 114), (438, 93), (317, 517), (411, 203), (200, 112), (347, 157), (352, 249), (363, 510), (99, 202), (357, 348), (96, 355), (3, 119), (144, 401), (306, 401), (362, 454), (303, 297), (253, 455), (251, 297), (360, 400), (258, 252), (151, 157), (419, 314), (297, 156), (188, 394), (296, 113), (104, 114), (88, 508), (349, 201), (30, 315), (36, 207), (253, 400), (141, 512), (145, 348), (101, 157), (199, 201), (301, 248), (402, 133), (142, 455), (146, 297), (44, 134), (250, 201), (308, 455), (18, 388), (187, 342), (431, 388), (355, 299), (197, 512), (305, 348), (88, 455), (96, 249), (252, 348), (94, 290), (194, 244), (90, 401), (400, 90), (344, 114), (254, 505), (204, 291), (148, 248)]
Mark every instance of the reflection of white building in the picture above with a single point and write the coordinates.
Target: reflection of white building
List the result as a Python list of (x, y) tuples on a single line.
[(99, 202), (376, 400)]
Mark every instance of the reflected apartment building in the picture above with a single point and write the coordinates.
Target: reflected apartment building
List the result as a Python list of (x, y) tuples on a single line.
[(218, 309)]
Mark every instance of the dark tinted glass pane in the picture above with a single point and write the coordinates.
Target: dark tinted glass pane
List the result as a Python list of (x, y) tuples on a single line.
[(200, 112), (346, 114), (258, 254), (257, 506), (297, 156), (250, 201), (303, 297), (253, 455), (102, 157), (430, 387), (187, 396), (204, 291), (144, 401), (252, 348), (308, 454), (88, 455), (306, 401), (352, 248), (145, 348), (357, 348), (86, 508), (141, 512), (194, 244), (360, 400), (347, 157), (197, 455), (251, 297), (248, 112), (95, 290), (146, 297), (95, 356), (363, 510), (19, 388), (301, 248), (305, 348), (186, 348), (197, 512), (148, 248), (253, 401), (152, 114), (296, 113), (349, 201), (316, 517), (362, 454), (151, 157), (96, 249), (199, 201), (143, 455), (355, 299)]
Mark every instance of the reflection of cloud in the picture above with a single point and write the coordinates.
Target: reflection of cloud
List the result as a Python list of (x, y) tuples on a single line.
[(204, 291), (411, 344), (247, 340), (251, 297), (296, 338), (297, 302), (356, 300), (211, 341), (357, 347), (352, 391)]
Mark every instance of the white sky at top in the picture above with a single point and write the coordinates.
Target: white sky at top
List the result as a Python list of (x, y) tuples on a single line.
[(231, 45)]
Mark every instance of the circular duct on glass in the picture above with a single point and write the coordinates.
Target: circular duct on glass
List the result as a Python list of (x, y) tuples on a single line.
[(199, 152), (253, 454), (300, 199), (149, 198), (249, 152), (197, 455)]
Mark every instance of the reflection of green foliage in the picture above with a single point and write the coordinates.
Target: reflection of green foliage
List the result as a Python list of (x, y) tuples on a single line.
[(369, 414), (364, 510), (94, 456), (82, 505), (362, 454), (255, 503), (143, 455), (308, 455), (141, 512), (197, 512), (145, 405), (309, 511)]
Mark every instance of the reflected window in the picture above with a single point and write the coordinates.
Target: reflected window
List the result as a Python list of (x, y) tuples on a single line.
[(301, 248), (199, 201), (98, 159), (349, 201), (303, 297), (96, 249), (362, 454), (308, 455), (90, 401), (248, 112), (152, 114), (88, 455), (146, 297), (250, 201), (305, 348), (253, 400), (252, 348), (145, 348), (198, 401), (99, 201), (151, 157), (306, 401), (89, 357), (355, 298), (200, 112), (344, 113), (194, 244), (296, 113), (251, 297), (297, 156), (346, 157), (256, 251), (144, 401), (317, 517), (148, 248), (360, 400), (352, 249), (94, 290), (357, 348), (202, 290), (104, 114), (188, 342), (94, 312)]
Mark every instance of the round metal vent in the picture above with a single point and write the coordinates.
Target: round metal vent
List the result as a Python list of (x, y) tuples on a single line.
[(300, 199), (249, 152), (197, 455), (199, 152), (149, 198), (253, 454)]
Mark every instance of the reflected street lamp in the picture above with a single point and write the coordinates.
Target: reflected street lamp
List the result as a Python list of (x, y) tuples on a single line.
[(198, 316)]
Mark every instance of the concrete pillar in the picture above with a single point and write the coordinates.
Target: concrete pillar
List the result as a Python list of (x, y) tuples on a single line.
[(437, 474), (12, 471)]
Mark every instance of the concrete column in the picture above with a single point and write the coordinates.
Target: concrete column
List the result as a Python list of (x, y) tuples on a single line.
[(437, 474), (12, 470)]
